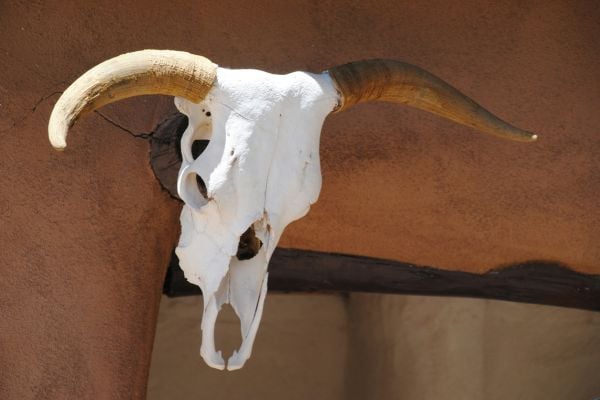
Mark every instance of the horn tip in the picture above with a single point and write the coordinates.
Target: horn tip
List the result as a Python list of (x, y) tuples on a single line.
[(58, 135), (522, 136), (58, 126), (58, 142), (530, 137)]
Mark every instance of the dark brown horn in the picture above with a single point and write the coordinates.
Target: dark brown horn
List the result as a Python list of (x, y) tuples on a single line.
[(398, 82)]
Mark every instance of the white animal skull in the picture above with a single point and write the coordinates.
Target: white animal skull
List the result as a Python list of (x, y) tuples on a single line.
[(261, 167), (247, 110)]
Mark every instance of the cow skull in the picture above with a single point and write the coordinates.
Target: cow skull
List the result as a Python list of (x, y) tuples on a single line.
[(263, 190), (261, 168)]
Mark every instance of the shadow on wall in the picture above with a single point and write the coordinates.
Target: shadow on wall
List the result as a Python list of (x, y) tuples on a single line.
[(384, 347)]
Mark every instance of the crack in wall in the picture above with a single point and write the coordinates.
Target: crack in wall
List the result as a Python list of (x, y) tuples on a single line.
[(45, 97), (142, 135), (33, 110)]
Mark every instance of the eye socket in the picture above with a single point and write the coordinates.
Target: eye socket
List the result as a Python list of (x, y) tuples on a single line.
[(201, 186), (192, 190), (166, 155), (198, 146)]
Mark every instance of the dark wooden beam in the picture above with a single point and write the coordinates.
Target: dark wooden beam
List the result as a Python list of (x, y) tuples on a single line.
[(308, 271)]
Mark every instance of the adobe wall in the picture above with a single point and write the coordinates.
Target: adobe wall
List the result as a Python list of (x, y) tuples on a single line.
[(398, 183), (386, 347)]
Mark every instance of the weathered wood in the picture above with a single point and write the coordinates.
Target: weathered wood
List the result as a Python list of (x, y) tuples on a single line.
[(308, 271), (165, 153)]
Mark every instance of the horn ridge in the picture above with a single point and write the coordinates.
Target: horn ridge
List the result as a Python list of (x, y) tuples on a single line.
[(403, 83), (144, 72)]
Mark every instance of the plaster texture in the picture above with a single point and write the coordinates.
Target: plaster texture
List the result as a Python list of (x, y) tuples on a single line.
[(449, 197), (388, 347), (85, 235)]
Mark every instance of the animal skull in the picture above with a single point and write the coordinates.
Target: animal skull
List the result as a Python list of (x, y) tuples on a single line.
[(267, 189), (261, 167)]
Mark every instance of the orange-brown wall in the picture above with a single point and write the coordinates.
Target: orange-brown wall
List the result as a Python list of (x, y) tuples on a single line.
[(398, 183)]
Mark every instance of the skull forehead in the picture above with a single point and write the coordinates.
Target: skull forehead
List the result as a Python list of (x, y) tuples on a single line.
[(256, 94), (263, 129)]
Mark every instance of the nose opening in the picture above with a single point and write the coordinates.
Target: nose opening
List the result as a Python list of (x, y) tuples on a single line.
[(228, 336)]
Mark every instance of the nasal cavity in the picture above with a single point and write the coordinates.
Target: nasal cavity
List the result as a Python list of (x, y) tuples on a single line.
[(228, 333)]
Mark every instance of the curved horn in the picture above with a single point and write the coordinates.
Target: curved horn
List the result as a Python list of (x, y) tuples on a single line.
[(174, 73), (398, 82)]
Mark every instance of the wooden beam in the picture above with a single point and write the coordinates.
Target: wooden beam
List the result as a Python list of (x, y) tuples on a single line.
[(308, 271)]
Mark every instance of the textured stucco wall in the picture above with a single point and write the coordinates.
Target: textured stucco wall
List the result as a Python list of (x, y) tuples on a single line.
[(300, 351), (386, 347), (398, 183), (431, 348), (85, 235)]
